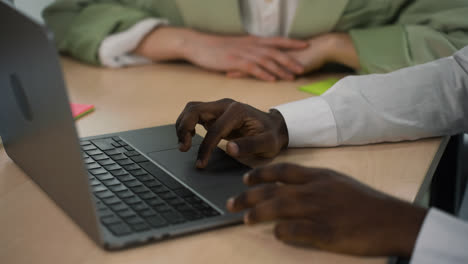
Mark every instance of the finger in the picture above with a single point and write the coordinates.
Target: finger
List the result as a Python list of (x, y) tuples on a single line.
[(284, 43), (282, 172), (194, 113), (274, 209), (268, 63), (283, 59), (299, 232), (221, 128), (253, 69), (236, 74), (253, 196), (264, 145)]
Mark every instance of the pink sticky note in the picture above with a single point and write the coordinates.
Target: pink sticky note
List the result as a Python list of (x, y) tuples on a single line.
[(80, 110)]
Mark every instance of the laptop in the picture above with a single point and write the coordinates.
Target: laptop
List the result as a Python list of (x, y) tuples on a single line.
[(122, 189)]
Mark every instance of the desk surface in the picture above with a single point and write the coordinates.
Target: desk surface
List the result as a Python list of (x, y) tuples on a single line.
[(34, 230)]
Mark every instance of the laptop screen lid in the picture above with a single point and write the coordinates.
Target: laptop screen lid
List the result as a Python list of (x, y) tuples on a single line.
[(36, 123)]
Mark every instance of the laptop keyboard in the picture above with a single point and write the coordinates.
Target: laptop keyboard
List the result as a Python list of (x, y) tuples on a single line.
[(134, 195)]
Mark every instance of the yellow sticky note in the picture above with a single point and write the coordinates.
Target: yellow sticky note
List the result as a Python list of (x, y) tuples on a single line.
[(320, 87)]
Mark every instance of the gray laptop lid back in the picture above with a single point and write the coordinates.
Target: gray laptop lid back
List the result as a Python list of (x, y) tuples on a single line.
[(36, 124)]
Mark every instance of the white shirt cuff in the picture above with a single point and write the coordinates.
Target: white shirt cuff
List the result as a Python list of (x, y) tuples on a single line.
[(115, 50), (442, 239), (310, 123)]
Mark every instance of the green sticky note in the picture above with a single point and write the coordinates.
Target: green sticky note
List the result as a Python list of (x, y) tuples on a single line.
[(320, 87)]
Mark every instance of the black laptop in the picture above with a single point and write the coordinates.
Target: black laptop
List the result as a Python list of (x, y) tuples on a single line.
[(122, 189)]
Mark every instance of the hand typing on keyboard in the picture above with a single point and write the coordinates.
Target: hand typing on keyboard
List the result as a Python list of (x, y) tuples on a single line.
[(250, 131)]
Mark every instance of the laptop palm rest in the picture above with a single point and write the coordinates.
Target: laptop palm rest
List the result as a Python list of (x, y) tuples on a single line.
[(220, 180)]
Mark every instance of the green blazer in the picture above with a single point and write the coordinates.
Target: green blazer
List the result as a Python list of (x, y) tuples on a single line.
[(388, 34)]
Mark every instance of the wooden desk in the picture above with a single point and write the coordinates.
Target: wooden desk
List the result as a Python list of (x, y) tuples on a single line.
[(34, 230)]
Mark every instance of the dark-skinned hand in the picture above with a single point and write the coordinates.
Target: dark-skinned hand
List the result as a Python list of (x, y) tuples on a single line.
[(250, 131), (327, 210)]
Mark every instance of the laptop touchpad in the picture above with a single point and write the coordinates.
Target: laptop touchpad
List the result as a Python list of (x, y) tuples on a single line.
[(220, 180)]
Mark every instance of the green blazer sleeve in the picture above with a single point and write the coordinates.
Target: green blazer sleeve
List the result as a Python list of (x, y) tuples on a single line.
[(80, 26), (424, 31)]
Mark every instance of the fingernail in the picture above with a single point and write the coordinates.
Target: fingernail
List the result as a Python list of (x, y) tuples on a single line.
[(232, 149), (247, 219), (199, 164), (230, 203), (245, 178)]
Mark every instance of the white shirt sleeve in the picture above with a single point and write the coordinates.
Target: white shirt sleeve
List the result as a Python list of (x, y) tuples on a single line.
[(442, 239), (422, 101), (115, 50)]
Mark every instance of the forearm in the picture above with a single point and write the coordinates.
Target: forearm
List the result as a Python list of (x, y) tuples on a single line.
[(166, 43)]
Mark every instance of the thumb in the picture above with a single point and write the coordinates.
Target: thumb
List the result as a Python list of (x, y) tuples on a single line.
[(263, 145)]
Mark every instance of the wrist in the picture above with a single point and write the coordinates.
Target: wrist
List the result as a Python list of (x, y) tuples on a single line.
[(340, 49), (165, 43), (280, 128)]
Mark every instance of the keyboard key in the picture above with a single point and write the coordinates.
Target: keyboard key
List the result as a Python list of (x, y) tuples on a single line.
[(131, 153), (103, 144), (94, 152), (106, 162), (126, 213), (209, 212), (132, 167), (84, 155), (191, 215), (147, 213), (88, 160), (147, 195), (140, 189), (183, 192), (111, 182), (100, 157), (167, 196), (140, 227), (119, 172), (118, 188), (144, 178), (113, 167), (183, 207), (139, 207), (155, 201), (160, 189), (129, 148), (115, 144), (92, 166), (85, 143), (173, 217), (139, 159), (108, 220), (98, 171), (132, 184), (105, 212), (104, 194), (162, 208), (152, 183), (99, 187), (120, 229), (111, 200), (138, 172), (112, 152), (176, 201), (100, 205), (125, 178), (104, 177), (125, 162), (161, 175), (125, 194), (116, 138), (156, 221), (118, 157), (94, 182), (118, 206), (192, 199), (134, 220), (132, 200), (88, 147), (121, 142)]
